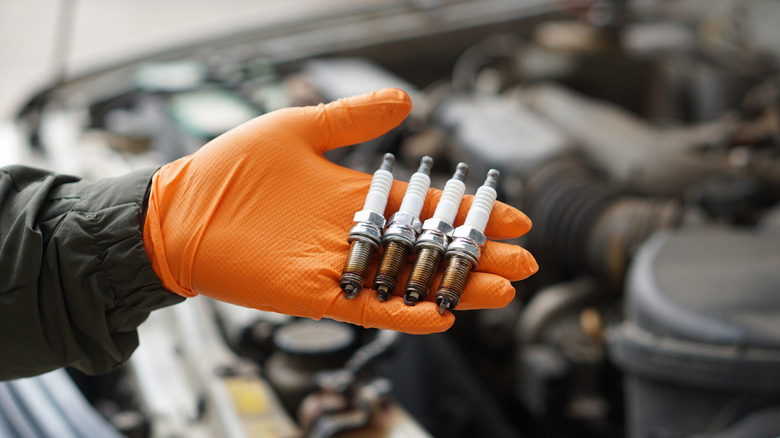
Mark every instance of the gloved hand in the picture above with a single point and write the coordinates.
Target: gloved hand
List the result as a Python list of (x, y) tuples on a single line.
[(259, 218)]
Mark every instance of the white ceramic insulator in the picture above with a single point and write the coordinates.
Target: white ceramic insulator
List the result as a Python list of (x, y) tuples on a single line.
[(448, 205), (480, 210), (376, 200), (415, 194)]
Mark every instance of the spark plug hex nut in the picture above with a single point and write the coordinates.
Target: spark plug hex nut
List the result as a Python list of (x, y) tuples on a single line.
[(368, 224), (436, 225), (403, 226), (370, 217), (432, 239), (471, 233), (370, 232), (468, 246)]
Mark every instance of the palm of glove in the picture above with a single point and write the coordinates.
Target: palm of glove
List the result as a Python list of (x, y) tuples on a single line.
[(258, 217)]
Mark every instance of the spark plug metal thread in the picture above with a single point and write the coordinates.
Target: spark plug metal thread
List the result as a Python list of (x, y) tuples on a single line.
[(436, 236), (356, 266), (402, 231), (464, 252), (454, 280), (421, 277), (366, 235)]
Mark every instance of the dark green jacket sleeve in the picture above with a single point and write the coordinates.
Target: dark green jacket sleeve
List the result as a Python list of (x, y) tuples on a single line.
[(75, 281)]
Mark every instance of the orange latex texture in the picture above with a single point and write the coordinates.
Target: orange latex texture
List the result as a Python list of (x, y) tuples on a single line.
[(259, 218)]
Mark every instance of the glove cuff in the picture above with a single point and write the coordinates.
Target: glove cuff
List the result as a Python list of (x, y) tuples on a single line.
[(154, 242)]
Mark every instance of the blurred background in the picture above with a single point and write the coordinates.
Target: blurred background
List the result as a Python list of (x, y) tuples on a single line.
[(641, 137), (48, 38)]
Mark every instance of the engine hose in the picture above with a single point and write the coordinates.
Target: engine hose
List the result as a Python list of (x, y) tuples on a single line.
[(583, 223)]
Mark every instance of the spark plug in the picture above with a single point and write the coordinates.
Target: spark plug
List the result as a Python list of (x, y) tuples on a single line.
[(436, 236), (366, 235), (402, 231), (465, 250)]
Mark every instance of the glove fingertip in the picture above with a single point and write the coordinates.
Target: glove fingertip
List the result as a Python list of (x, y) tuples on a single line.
[(523, 264), (504, 295), (397, 101), (487, 291), (507, 260), (507, 222), (528, 266), (362, 118)]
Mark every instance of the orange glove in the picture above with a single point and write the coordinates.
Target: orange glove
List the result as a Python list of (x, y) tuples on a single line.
[(259, 218)]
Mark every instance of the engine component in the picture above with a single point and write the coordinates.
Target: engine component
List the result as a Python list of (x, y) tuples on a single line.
[(497, 132), (324, 414), (402, 231), (344, 402), (436, 236), (701, 340), (584, 223), (304, 348), (659, 161), (465, 250), (549, 303), (730, 198), (340, 380), (366, 235)]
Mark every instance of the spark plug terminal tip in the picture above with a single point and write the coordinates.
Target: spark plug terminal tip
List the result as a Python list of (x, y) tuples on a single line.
[(461, 171), (425, 165), (492, 178), (387, 162)]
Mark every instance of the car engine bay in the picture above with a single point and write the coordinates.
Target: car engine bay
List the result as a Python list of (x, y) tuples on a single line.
[(641, 138)]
